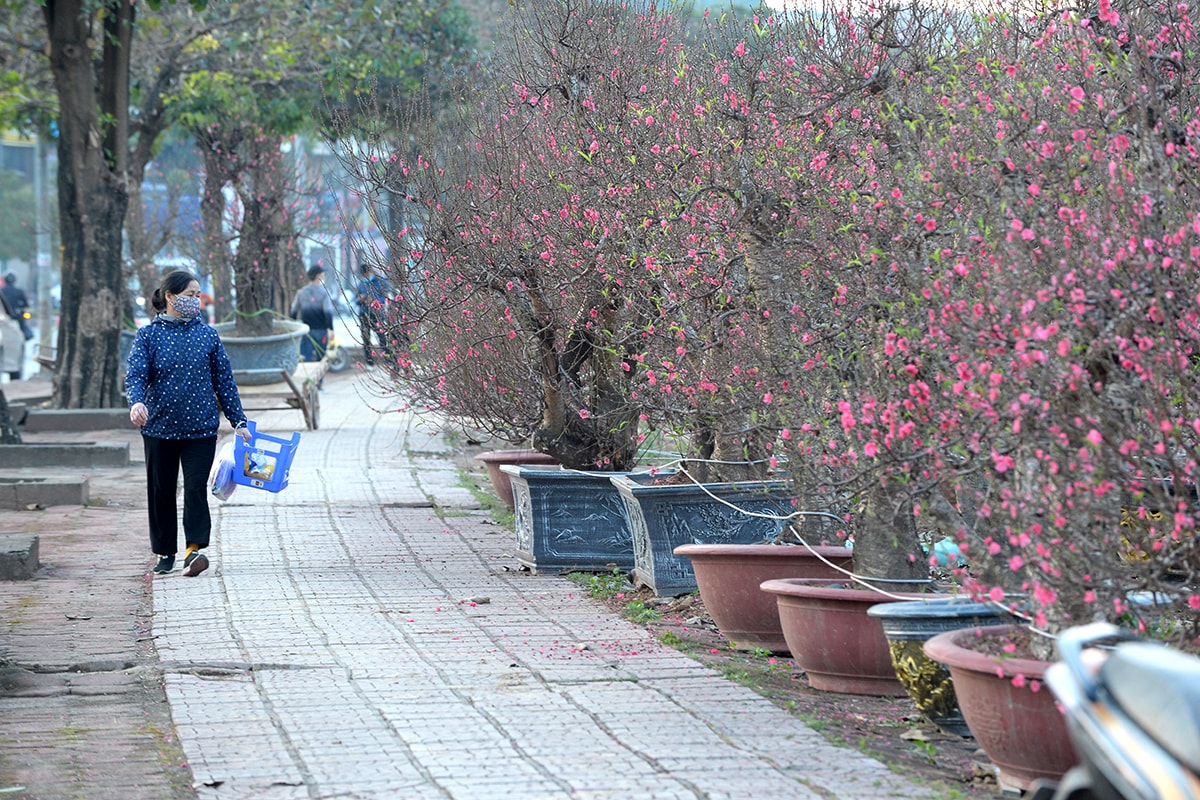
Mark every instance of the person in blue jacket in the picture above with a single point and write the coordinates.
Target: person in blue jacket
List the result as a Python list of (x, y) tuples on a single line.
[(177, 382)]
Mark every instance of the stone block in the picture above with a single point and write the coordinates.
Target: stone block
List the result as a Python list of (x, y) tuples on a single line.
[(18, 556), (18, 493), (17, 412), (86, 455), (39, 420)]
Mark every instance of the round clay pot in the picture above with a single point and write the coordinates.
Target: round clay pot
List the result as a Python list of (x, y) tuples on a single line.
[(831, 637), (1006, 704), (729, 576), (522, 458)]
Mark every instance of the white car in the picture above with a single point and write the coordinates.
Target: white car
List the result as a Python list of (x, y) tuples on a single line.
[(12, 342)]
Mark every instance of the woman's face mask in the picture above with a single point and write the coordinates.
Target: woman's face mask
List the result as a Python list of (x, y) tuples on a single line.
[(187, 307)]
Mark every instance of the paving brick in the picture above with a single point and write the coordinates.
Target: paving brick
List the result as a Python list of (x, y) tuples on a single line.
[(328, 652)]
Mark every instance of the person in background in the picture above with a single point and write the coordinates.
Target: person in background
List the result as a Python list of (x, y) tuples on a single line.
[(374, 294), (314, 307), (206, 307), (18, 302), (178, 381)]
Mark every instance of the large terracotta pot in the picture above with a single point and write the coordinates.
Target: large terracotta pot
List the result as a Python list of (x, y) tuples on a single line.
[(665, 516), (831, 637), (1006, 704), (907, 626), (729, 576), (521, 458)]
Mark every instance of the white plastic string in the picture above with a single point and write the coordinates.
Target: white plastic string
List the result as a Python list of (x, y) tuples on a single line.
[(677, 464)]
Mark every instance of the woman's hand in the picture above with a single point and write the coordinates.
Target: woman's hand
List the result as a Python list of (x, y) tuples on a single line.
[(139, 414), (243, 432)]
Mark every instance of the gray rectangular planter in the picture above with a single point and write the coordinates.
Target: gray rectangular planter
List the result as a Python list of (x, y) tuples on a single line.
[(665, 516), (569, 521)]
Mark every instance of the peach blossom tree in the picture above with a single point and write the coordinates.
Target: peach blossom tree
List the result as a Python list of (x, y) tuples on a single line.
[(1036, 372)]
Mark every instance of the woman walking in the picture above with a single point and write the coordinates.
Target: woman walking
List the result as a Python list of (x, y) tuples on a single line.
[(178, 373)]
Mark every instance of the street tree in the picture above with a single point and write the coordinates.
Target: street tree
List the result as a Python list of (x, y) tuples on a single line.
[(284, 75), (89, 51)]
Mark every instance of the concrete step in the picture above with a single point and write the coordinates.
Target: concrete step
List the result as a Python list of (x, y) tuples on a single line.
[(19, 493), (18, 556), (38, 420), (74, 454)]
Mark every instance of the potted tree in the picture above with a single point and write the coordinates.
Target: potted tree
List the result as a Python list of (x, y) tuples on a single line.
[(801, 295), (520, 297), (1040, 359)]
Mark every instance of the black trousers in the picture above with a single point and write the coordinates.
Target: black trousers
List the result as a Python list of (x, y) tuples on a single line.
[(164, 457), (368, 330)]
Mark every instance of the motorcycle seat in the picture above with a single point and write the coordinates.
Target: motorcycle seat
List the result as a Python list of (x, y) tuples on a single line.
[(1159, 689)]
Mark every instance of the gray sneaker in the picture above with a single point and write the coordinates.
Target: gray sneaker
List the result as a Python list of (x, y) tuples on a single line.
[(194, 564)]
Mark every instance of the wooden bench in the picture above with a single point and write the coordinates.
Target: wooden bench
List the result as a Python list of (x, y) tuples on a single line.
[(297, 390)]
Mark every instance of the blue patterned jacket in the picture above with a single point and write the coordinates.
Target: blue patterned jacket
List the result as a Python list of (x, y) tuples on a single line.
[(180, 370)]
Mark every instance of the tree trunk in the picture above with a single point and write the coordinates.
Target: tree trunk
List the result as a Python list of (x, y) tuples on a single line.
[(886, 543), (8, 429), (92, 195), (144, 243), (216, 255), (145, 237), (261, 260)]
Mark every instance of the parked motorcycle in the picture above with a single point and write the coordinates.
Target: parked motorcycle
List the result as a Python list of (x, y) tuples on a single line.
[(1133, 711)]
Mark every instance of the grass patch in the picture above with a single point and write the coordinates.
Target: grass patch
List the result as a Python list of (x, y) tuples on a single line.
[(637, 611), (601, 585), (487, 499)]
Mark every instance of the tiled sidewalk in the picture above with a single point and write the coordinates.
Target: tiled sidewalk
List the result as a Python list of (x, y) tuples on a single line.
[(363, 634), (352, 641)]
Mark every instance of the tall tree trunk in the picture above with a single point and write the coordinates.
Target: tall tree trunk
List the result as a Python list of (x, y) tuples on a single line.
[(8, 429), (262, 246), (216, 256), (145, 236), (92, 195), (145, 241), (886, 543)]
